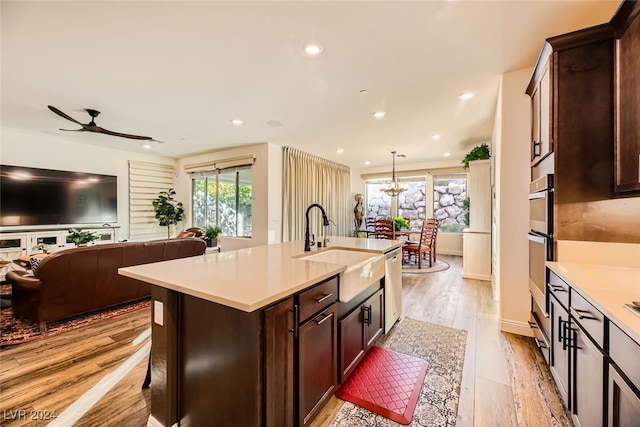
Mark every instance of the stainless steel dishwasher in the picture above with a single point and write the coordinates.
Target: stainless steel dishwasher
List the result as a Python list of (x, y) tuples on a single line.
[(392, 288)]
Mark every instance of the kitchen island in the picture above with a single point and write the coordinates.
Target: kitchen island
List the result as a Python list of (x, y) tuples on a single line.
[(263, 335)]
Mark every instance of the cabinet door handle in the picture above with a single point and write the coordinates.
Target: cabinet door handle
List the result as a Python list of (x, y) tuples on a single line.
[(324, 298), (367, 314), (579, 315), (557, 288), (539, 344), (535, 145), (296, 320), (564, 338), (326, 316)]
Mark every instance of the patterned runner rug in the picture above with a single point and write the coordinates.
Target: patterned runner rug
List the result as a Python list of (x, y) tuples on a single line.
[(17, 331), (443, 349)]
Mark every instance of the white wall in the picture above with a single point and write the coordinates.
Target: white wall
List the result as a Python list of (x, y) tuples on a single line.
[(54, 152), (511, 148), (267, 191)]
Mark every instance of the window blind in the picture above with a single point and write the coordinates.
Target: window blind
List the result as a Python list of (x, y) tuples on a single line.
[(146, 180), (210, 166)]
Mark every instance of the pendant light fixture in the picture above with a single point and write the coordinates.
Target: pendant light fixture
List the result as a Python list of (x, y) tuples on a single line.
[(393, 188)]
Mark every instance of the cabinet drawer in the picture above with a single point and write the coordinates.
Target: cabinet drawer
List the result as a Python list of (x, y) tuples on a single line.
[(543, 321), (538, 335), (591, 320), (317, 298), (624, 352), (559, 289)]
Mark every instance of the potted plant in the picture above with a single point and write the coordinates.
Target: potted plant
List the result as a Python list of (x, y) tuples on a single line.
[(210, 235), (479, 152), (400, 223), (168, 211), (41, 247), (80, 237)]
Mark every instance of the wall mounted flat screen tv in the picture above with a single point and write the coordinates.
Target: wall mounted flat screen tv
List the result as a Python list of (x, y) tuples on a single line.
[(31, 196)]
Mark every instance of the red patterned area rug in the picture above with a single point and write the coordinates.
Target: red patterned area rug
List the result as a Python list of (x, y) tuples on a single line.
[(387, 383), (18, 331)]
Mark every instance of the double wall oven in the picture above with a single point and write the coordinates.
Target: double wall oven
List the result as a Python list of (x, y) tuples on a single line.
[(540, 243)]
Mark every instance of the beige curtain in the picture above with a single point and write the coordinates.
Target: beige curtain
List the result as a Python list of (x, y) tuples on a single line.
[(309, 179)]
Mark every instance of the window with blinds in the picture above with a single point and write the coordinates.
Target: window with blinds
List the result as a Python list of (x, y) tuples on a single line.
[(222, 195), (146, 181)]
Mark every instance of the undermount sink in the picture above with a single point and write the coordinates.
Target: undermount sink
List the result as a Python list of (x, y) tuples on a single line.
[(363, 269)]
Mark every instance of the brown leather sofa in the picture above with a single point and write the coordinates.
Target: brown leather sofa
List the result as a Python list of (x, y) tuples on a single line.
[(79, 280)]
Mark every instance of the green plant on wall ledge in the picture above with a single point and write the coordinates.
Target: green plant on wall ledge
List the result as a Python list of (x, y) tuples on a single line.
[(168, 211), (479, 152)]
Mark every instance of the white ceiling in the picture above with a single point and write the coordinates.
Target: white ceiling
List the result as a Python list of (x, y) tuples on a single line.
[(180, 71)]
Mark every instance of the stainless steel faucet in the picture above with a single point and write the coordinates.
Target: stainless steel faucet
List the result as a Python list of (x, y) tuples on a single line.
[(325, 222)]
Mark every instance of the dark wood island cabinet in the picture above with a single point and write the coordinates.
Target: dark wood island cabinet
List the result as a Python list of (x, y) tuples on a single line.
[(271, 367)]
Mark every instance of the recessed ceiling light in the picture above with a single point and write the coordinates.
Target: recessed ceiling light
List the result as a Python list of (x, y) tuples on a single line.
[(313, 48), (275, 123), (447, 154), (363, 92), (367, 162), (146, 145), (237, 122), (436, 136), (466, 95), (379, 114), (340, 150)]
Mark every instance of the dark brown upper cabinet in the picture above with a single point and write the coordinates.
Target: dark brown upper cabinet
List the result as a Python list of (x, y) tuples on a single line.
[(539, 90), (627, 97)]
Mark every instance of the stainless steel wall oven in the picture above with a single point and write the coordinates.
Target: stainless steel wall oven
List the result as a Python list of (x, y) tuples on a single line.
[(540, 237)]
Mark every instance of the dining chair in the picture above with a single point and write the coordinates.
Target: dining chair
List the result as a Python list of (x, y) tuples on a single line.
[(370, 226), (426, 245), (385, 229)]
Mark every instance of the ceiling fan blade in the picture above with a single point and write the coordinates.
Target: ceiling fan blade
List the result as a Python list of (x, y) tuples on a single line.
[(99, 129), (73, 130), (61, 114)]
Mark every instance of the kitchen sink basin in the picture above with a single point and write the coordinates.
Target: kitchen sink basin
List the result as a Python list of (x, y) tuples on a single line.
[(363, 269)]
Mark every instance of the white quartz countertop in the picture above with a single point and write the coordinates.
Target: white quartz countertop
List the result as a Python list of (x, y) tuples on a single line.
[(608, 288), (252, 278)]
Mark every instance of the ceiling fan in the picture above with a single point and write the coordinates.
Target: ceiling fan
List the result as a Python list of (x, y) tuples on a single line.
[(92, 127)]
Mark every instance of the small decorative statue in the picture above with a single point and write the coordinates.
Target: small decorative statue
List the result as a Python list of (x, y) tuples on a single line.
[(358, 211)]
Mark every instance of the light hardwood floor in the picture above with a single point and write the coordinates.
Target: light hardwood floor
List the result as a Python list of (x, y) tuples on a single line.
[(505, 380)]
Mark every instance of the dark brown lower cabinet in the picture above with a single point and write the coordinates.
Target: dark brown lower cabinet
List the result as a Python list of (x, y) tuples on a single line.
[(279, 365), (624, 400), (358, 331), (587, 370), (317, 363), (559, 347)]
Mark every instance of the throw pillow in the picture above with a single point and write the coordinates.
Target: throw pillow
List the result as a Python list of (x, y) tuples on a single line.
[(34, 265)]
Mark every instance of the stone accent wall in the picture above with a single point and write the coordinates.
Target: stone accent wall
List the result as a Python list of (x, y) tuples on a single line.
[(448, 202)]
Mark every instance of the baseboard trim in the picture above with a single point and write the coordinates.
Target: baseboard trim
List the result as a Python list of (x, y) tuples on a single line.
[(153, 422), (477, 276), (449, 252), (514, 327)]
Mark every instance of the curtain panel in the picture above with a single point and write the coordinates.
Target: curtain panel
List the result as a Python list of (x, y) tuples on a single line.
[(309, 179)]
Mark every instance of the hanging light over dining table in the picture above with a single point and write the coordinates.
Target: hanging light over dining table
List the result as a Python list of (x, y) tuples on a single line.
[(393, 188)]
